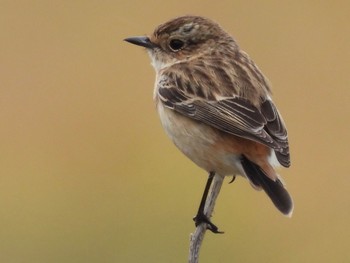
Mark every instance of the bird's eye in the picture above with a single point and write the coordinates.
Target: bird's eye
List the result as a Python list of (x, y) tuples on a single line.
[(176, 44)]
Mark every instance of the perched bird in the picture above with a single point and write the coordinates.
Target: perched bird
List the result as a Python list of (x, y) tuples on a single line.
[(215, 105)]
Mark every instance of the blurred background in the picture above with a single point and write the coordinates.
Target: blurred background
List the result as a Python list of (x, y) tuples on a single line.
[(87, 173)]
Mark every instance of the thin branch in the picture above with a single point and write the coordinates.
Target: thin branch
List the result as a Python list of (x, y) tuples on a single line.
[(197, 237)]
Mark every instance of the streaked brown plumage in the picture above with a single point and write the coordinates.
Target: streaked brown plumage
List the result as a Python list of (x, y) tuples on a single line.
[(215, 104)]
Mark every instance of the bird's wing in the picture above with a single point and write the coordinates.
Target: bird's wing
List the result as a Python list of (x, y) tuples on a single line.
[(234, 115)]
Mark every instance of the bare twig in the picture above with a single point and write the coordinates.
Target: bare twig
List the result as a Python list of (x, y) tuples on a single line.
[(198, 236)]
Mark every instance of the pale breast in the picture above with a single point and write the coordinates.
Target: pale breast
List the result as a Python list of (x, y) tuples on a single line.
[(199, 142)]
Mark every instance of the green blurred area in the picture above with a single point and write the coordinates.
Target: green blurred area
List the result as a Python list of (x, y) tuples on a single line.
[(87, 173)]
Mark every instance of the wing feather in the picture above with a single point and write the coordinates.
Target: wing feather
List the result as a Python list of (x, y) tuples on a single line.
[(234, 115)]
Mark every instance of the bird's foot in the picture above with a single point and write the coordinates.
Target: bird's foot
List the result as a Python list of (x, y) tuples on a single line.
[(200, 218), (232, 180)]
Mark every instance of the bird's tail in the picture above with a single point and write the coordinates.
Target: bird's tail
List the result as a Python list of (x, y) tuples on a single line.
[(274, 189)]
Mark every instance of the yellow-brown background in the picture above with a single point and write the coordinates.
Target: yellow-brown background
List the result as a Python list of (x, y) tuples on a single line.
[(87, 173)]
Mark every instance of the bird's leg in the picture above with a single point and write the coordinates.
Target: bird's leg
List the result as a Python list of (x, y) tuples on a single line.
[(201, 217)]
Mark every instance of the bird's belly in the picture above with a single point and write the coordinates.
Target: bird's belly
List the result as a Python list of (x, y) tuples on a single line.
[(200, 143)]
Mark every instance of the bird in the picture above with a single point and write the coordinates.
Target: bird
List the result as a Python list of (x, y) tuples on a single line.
[(216, 106)]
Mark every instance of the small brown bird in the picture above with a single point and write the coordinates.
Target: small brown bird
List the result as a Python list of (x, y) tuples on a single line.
[(215, 105)]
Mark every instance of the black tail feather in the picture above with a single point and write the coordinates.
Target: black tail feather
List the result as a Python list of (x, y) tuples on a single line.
[(274, 189)]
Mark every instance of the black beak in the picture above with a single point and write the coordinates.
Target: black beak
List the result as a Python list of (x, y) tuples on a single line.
[(140, 41)]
